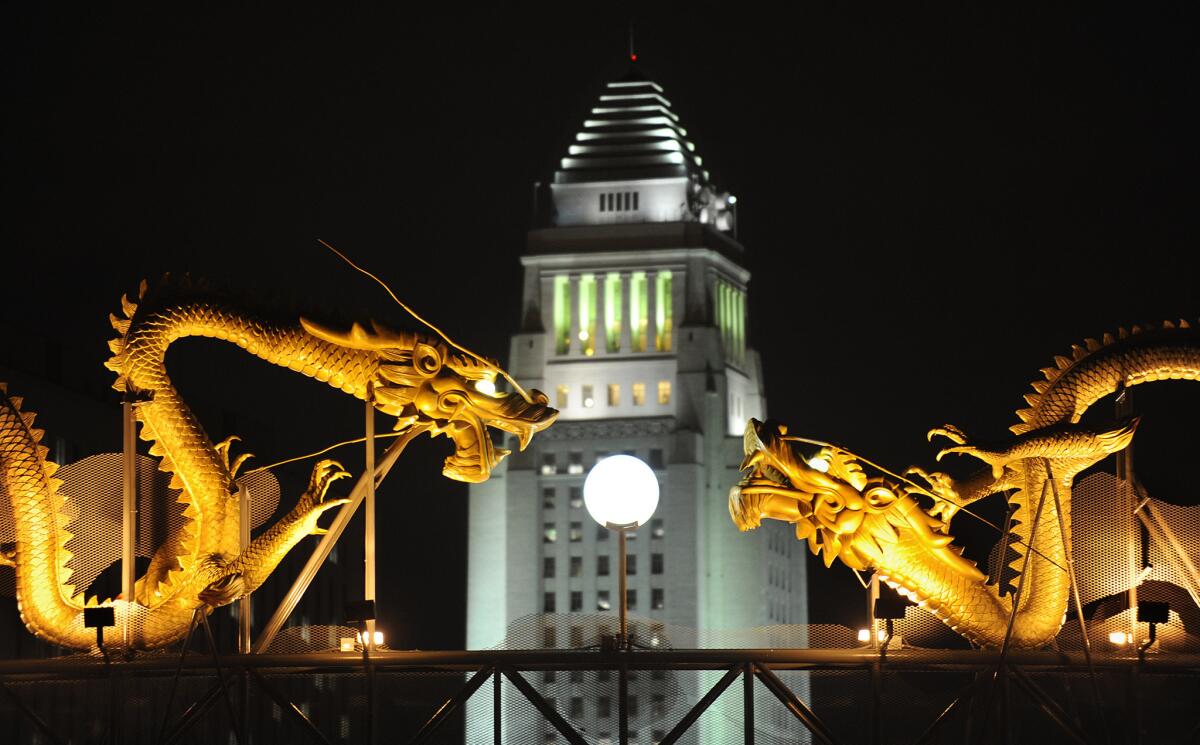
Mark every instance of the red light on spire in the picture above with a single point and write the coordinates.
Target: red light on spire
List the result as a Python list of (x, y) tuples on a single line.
[(633, 58)]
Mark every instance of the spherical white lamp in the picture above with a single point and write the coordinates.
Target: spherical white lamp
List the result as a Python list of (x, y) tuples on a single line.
[(621, 491)]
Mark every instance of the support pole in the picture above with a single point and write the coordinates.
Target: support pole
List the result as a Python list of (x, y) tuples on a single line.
[(1129, 515), (622, 580), (129, 508), (244, 610), (1087, 644), (321, 552), (369, 516)]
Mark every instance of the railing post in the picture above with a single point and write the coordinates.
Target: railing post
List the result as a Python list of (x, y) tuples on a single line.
[(748, 703), (496, 706)]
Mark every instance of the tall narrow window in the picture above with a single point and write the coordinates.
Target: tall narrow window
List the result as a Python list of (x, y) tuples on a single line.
[(548, 498), (602, 601), (662, 311), (576, 534), (548, 567), (589, 397), (549, 533), (664, 392), (635, 200), (657, 600), (587, 314), (549, 464), (548, 602), (639, 307), (602, 203), (639, 394), (656, 563), (575, 462), (576, 601), (601, 566), (562, 314), (614, 394), (577, 566), (612, 311), (560, 397)]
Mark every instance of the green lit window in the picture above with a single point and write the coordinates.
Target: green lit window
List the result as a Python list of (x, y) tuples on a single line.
[(587, 314), (731, 320), (639, 308), (612, 311), (662, 311), (562, 314)]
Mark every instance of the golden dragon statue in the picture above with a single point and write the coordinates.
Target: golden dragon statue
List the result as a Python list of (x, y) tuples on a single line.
[(428, 383), (879, 523)]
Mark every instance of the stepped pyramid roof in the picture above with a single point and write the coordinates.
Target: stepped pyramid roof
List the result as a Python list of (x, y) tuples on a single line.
[(630, 133)]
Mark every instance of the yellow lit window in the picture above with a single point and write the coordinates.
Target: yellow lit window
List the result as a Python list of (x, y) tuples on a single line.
[(639, 394), (560, 401), (664, 391), (614, 394)]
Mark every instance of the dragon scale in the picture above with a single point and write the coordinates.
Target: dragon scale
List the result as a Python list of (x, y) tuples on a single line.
[(878, 523), (415, 377)]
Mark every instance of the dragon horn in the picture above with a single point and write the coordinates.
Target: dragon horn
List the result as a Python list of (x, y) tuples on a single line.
[(486, 363)]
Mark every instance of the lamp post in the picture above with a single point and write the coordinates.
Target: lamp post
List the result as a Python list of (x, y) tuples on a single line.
[(620, 493)]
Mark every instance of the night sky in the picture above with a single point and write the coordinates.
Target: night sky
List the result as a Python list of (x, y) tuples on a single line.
[(934, 203)]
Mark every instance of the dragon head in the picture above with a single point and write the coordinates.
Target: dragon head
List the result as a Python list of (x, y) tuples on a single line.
[(835, 506), (428, 385)]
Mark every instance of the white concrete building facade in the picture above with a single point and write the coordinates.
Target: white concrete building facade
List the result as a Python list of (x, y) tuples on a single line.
[(635, 324)]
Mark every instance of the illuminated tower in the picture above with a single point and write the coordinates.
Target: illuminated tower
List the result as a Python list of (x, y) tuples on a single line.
[(634, 321)]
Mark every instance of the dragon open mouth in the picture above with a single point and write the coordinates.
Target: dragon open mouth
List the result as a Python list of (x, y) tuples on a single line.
[(474, 454)]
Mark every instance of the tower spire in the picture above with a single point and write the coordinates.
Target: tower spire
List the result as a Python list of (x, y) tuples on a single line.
[(632, 49)]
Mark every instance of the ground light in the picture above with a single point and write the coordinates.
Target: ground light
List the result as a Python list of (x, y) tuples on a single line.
[(621, 493)]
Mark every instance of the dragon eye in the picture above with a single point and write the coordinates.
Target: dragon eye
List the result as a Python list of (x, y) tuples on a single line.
[(486, 386)]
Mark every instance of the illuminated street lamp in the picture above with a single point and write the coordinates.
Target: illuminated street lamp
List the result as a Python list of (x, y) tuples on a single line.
[(620, 493)]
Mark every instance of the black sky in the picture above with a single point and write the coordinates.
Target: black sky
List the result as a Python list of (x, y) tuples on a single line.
[(934, 202)]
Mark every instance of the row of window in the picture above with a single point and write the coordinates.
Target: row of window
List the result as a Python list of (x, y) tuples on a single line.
[(575, 565), (579, 320), (619, 201), (605, 706), (588, 395), (576, 677), (603, 603), (550, 737), (575, 532), (574, 465)]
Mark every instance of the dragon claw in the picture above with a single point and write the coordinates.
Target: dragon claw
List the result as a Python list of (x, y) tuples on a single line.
[(950, 432)]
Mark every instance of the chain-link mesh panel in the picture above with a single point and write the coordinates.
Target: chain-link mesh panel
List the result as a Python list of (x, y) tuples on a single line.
[(93, 489), (303, 639)]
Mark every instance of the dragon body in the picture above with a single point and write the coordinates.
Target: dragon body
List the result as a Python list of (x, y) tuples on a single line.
[(879, 522), (428, 385)]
